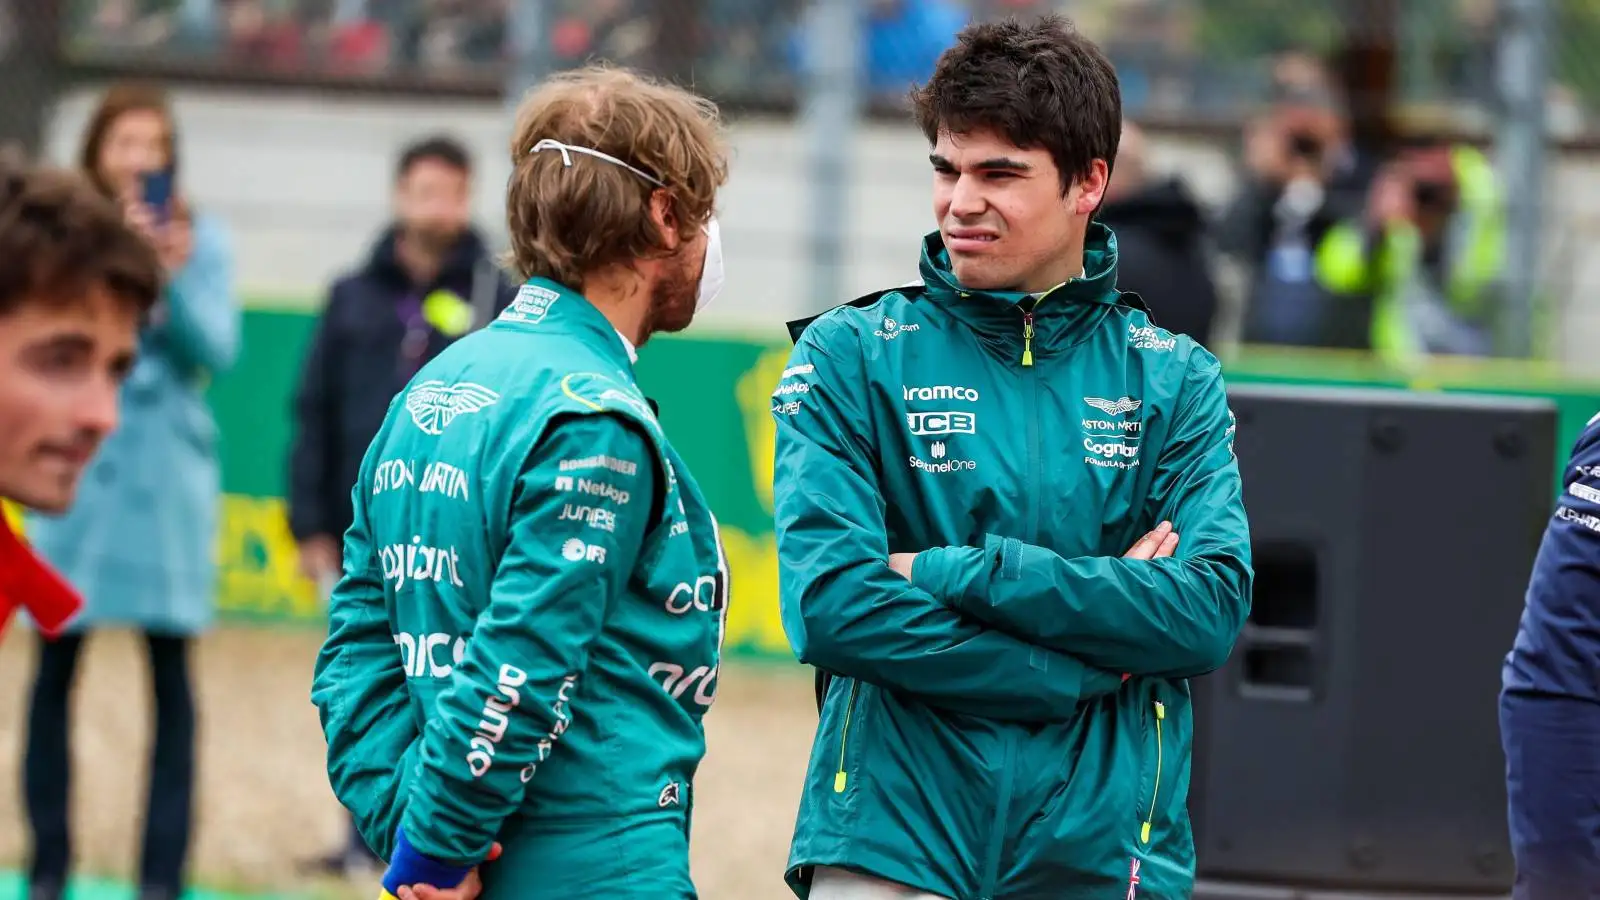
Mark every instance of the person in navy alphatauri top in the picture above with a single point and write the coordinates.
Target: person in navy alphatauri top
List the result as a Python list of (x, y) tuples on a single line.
[(1550, 698)]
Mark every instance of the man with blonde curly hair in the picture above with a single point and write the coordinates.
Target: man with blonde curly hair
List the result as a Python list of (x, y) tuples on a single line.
[(526, 635)]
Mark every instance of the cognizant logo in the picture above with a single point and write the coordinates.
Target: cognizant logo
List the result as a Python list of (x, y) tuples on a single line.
[(1110, 449), (406, 564)]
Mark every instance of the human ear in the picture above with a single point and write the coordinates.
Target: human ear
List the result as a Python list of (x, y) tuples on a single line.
[(1092, 188)]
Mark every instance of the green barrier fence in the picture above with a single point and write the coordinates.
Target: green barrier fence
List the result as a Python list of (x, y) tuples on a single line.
[(713, 394)]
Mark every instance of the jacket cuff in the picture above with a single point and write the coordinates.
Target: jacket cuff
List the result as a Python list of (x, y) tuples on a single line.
[(949, 573), (408, 867)]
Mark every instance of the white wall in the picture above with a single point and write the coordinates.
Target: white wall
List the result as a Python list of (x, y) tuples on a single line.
[(303, 181)]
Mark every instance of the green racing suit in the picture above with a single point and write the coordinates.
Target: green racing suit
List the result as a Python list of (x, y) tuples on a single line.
[(1013, 721), (528, 628)]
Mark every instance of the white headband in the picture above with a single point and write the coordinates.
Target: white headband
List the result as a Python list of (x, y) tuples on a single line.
[(567, 150)]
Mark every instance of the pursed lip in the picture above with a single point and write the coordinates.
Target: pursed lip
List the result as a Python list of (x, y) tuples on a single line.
[(970, 240)]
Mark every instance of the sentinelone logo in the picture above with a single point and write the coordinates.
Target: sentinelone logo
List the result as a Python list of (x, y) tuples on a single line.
[(943, 466)]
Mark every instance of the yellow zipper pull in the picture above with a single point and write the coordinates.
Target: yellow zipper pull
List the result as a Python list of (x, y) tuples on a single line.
[(839, 779), (1144, 828), (1027, 339)]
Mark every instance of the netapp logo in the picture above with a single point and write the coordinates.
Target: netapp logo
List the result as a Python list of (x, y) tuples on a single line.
[(930, 423), (941, 392)]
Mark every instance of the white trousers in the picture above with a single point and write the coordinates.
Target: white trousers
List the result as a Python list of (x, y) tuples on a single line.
[(839, 884)]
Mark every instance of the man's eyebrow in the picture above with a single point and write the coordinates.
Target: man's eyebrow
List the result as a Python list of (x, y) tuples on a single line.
[(69, 340), (996, 163)]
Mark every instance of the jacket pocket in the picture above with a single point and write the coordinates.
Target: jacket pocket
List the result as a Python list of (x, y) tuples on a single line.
[(847, 755), (1156, 765)]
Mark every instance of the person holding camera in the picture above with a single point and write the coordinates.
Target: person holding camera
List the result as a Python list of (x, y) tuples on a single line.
[(1429, 250), (138, 540), (1302, 177)]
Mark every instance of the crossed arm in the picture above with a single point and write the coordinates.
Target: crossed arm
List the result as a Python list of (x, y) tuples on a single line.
[(1007, 630)]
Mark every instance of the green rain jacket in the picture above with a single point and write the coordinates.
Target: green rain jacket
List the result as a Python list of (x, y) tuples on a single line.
[(528, 628), (979, 739)]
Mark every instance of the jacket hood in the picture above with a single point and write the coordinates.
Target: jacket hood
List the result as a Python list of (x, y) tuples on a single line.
[(1164, 208), (1061, 317), (458, 263)]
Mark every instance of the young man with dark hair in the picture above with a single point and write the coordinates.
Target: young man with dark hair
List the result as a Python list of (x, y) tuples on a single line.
[(76, 282), (960, 465), (430, 279)]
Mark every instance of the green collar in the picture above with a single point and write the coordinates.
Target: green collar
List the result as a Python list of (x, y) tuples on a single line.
[(1058, 318), (543, 304)]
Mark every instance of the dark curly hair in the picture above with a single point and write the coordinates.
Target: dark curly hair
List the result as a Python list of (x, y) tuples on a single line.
[(60, 238), (1040, 85)]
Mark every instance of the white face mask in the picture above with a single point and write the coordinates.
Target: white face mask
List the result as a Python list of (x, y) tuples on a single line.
[(711, 274)]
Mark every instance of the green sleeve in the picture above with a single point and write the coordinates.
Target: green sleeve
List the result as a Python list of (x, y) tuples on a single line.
[(1174, 617), (844, 610), (359, 689), (512, 696)]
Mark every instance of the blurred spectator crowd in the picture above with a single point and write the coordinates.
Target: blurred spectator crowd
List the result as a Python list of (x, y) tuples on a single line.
[(1191, 57)]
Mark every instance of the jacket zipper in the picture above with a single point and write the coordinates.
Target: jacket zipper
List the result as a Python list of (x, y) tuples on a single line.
[(1030, 378), (841, 777), (1027, 338), (1002, 820), (1155, 791)]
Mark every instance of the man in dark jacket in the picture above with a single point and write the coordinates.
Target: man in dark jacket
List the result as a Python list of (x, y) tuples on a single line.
[(1550, 697), (1161, 249), (430, 280)]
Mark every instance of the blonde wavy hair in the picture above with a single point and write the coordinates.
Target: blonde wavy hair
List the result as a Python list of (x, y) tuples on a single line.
[(568, 221)]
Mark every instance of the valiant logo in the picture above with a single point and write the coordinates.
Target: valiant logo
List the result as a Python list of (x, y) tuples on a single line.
[(892, 329), (926, 423), (941, 392), (434, 405)]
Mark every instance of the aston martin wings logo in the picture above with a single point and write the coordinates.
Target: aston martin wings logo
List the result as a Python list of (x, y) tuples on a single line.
[(1114, 407), (434, 405)]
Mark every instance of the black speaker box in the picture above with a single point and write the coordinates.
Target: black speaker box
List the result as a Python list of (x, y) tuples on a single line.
[(1351, 742)]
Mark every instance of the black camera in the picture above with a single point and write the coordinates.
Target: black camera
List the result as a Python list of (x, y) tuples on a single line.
[(1432, 196), (1305, 146)]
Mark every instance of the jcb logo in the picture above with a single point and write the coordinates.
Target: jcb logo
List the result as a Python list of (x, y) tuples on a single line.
[(942, 422)]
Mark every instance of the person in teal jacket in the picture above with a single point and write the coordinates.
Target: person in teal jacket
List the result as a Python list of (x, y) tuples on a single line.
[(527, 632), (960, 465)]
